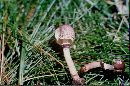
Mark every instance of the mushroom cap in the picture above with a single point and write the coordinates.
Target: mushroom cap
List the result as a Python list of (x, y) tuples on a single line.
[(65, 35), (119, 65)]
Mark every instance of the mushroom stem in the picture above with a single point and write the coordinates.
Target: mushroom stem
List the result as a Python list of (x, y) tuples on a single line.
[(70, 63), (95, 64), (118, 66)]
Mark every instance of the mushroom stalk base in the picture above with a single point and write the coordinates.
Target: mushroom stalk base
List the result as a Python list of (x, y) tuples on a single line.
[(70, 64)]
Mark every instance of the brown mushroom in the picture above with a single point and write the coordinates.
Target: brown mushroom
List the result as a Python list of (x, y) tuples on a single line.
[(96, 64), (65, 36), (118, 66)]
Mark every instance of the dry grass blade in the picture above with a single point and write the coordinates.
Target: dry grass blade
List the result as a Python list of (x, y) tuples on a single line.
[(115, 37), (37, 77), (126, 21), (0, 58), (3, 48), (22, 65), (43, 51)]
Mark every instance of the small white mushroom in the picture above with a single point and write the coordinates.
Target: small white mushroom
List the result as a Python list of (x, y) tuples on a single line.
[(65, 36)]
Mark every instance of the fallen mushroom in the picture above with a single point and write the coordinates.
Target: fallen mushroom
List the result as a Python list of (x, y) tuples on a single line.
[(98, 64), (65, 36), (118, 66)]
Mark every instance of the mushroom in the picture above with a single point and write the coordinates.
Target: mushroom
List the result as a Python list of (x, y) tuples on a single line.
[(96, 64), (65, 36), (118, 66)]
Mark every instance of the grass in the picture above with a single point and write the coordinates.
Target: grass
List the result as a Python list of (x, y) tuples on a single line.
[(30, 56)]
